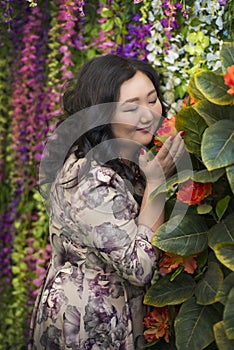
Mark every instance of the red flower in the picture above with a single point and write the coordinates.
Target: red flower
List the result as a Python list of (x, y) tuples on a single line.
[(229, 79), (193, 192), (157, 323), (171, 261), (168, 128)]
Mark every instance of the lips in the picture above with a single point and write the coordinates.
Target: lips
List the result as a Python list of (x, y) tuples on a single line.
[(145, 128)]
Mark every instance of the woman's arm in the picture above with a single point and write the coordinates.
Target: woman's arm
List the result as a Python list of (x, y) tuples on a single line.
[(156, 172)]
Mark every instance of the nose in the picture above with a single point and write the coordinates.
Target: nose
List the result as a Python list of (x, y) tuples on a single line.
[(146, 115)]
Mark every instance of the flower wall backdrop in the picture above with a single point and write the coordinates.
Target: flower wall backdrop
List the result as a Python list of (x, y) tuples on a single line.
[(43, 44)]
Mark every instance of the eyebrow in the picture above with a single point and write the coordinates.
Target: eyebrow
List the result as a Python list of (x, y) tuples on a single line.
[(134, 99)]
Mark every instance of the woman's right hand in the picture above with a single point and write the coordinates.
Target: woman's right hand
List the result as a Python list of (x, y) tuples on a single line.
[(163, 165)]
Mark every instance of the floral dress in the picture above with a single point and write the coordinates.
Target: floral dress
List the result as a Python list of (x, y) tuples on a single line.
[(92, 296)]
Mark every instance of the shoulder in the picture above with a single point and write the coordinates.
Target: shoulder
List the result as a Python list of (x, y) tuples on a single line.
[(79, 172)]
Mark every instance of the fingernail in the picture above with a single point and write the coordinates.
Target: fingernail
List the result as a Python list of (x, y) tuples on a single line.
[(182, 133), (142, 151)]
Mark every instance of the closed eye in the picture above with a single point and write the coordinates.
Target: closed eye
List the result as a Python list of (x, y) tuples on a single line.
[(132, 108), (153, 101)]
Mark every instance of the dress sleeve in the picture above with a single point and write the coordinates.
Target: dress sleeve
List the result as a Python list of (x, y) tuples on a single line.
[(102, 214)]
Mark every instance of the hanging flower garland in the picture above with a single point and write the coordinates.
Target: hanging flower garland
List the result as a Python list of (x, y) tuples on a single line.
[(29, 127)]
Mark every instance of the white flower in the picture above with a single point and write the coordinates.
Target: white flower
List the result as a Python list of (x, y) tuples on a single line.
[(213, 40), (219, 22), (172, 55), (177, 81), (151, 17), (217, 65)]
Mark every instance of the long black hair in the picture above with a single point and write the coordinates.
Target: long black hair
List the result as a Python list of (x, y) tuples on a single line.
[(88, 108)]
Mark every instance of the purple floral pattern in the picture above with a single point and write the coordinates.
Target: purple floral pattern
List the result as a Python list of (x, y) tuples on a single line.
[(92, 297)]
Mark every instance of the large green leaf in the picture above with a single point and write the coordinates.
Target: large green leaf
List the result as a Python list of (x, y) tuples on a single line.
[(227, 55), (212, 86), (230, 176), (208, 286), (228, 315), (225, 288), (217, 149), (194, 125), (194, 91), (225, 254), (165, 292), (222, 232), (202, 176), (205, 175), (221, 339), (182, 235), (194, 325), (211, 112)]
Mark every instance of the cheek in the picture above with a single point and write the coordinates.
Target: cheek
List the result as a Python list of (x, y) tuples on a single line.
[(121, 130), (157, 109)]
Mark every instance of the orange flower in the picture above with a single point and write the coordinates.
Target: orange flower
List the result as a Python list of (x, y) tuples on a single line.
[(158, 143), (157, 323), (229, 79), (193, 192), (171, 261), (168, 128), (188, 101)]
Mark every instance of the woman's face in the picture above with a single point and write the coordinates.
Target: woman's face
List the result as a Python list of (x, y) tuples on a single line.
[(139, 110)]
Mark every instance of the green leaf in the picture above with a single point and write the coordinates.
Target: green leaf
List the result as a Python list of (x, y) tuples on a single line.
[(107, 12), (182, 235), (222, 206), (181, 177), (224, 253), (118, 22), (165, 292), (228, 315), (194, 325), (211, 112), (221, 339), (204, 176), (217, 149), (225, 288), (194, 125), (193, 90), (227, 55), (108, 25), (212, 86), (222, 232), (230, 176), (180, 91), (204, 209), (208, 286)]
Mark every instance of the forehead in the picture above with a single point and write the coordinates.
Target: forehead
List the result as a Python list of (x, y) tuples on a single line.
[(137, 86)]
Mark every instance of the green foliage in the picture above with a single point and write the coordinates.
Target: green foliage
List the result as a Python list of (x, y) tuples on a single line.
[(205, 298), (167, 292), (182, 235), (194, 325)]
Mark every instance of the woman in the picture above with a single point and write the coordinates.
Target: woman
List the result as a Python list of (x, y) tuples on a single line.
[(101, 218)]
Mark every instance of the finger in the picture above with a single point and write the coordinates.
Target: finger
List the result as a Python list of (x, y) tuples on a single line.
[(142, 158), (165, 149), (180, 152)]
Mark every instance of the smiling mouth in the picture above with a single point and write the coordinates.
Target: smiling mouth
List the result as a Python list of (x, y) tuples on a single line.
[(146, 128)]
